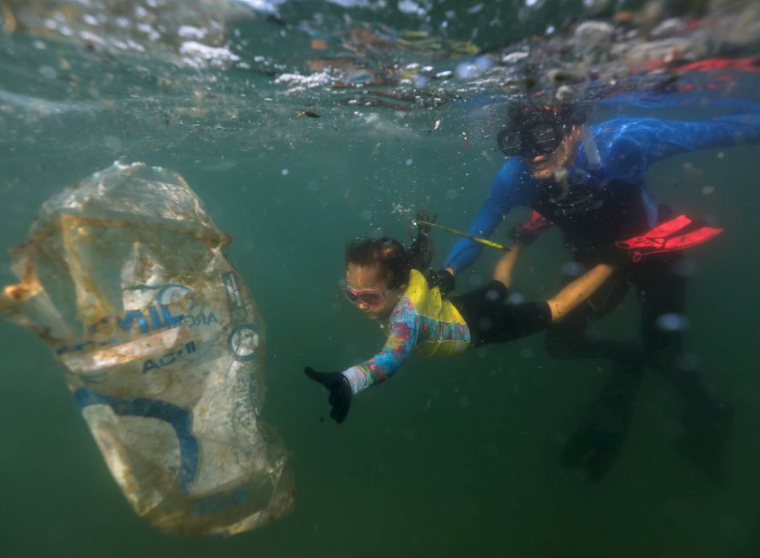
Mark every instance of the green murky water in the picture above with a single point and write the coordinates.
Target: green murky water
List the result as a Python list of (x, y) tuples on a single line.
[(454, 457)]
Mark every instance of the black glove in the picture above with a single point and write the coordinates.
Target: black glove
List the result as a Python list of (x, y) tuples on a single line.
[(527, 232), (441, 279), (422, 215), (340, 391), (519, 234)]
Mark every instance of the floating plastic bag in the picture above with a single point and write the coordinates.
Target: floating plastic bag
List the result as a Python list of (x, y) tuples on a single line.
[(125, 277)]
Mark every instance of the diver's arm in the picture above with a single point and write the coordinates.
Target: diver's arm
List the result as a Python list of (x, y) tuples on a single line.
[(577, 291), (398, 347), (639, 143), (737, 129), (679, 137), (511, 187), (465, 251)]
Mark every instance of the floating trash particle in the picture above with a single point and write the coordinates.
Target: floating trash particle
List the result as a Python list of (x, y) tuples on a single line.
[(319, 44), (308, 113)]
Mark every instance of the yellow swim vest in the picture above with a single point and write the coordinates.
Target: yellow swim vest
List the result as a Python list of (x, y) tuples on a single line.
[(442, 330)]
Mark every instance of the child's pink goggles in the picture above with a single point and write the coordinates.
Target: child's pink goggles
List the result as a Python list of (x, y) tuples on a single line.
[(370, 297)]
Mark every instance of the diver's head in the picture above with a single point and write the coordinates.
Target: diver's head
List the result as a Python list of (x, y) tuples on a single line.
[(377, 274), (546, 136)]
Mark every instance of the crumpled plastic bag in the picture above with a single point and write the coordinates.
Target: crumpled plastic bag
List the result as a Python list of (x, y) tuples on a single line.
[(125, 276)]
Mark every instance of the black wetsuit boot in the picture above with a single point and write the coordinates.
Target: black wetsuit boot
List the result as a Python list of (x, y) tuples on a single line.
[(599, 438)]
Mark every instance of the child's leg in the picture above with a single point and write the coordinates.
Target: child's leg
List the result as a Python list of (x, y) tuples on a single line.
[(578, 290)]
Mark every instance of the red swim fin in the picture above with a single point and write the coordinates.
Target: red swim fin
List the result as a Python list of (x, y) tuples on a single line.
[(667, 237), (702, 234), (656, 237)]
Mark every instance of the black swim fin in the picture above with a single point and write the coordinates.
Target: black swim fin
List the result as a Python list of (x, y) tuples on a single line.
[(706, 431), (596, 443)]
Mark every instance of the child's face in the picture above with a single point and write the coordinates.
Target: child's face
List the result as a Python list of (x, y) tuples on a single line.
[(368, 291)]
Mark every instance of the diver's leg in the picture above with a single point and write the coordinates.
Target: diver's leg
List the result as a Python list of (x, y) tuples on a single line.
[(597, 441), (706, 420), (661, 294)]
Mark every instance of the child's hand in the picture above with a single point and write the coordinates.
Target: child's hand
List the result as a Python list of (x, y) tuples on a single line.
[(340, 391)]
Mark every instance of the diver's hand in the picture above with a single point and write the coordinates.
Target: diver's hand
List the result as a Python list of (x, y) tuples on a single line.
[(441, 279), (527, 232), (422, 215), (340, 391), (520, 235)]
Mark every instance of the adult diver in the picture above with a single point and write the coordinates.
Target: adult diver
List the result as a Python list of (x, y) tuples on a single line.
[(588, 180)]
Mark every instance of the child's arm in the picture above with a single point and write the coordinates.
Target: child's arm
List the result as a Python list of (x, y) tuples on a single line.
[(401, 340), (578, 291), (503, 270), (342, 385)]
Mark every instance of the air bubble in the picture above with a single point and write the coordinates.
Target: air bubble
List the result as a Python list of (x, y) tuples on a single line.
[(672, 322), (573, 269)]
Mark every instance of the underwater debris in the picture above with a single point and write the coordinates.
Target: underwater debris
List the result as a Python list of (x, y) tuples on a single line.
[(308, 113), (125, 277)]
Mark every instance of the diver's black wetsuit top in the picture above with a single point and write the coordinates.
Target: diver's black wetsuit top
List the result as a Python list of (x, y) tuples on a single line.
[(594, 215)]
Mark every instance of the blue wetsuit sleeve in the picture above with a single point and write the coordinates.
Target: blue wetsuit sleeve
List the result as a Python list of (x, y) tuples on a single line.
[(638, 143), (401, 340), (511, 187)]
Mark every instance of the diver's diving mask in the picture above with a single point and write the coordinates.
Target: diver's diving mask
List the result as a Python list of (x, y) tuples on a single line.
[(538, 129), (541, 136)]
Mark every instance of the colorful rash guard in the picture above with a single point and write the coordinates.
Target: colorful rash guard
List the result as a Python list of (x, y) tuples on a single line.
[(422, 323), (608, 201)]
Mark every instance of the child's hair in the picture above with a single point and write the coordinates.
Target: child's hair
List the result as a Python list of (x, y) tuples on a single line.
[(395, 262)]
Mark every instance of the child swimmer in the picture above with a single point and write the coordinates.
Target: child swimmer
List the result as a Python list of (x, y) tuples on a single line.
[(385, 282)]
